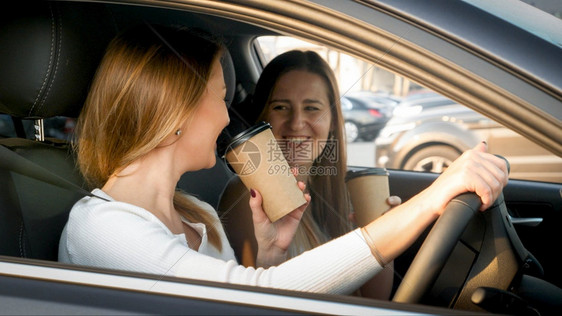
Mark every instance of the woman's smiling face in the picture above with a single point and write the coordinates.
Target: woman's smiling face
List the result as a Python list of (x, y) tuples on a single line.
[(299, 112)]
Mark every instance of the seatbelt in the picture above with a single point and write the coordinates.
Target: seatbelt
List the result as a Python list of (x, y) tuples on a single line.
[(14, 162)]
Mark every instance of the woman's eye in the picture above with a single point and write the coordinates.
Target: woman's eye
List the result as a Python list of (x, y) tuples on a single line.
[(279, 107), (312, 108)]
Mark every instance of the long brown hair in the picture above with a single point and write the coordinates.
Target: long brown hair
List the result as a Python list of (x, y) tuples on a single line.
[(148, 84), (330, 205)]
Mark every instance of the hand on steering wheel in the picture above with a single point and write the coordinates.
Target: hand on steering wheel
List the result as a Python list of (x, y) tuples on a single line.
[(474, 171), (439, 244)]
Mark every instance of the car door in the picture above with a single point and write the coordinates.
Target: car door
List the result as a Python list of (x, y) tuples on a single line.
[(535, 205)]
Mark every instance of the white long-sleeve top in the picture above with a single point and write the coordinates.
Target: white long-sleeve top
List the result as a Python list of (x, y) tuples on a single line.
[(118, 235)]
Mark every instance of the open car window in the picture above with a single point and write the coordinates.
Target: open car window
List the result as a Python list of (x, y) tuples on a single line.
[(394, 123)]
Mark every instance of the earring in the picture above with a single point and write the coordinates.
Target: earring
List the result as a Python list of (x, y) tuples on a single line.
[(178, 132)]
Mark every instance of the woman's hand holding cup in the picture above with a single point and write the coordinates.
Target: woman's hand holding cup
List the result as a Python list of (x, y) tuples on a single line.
[(274, 238)]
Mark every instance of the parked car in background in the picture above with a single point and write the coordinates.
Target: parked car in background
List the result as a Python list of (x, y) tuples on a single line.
[(427, 133), (380, 98), (365, 114), (364, 118)]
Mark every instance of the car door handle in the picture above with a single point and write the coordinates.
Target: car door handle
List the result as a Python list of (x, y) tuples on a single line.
[(526, 221)]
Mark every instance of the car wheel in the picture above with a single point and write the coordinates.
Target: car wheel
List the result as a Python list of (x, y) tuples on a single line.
[(432, 159), (351, 131), (370, 137)]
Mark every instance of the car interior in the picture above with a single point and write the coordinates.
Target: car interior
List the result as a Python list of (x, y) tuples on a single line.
[(55, 48), (55, 43)]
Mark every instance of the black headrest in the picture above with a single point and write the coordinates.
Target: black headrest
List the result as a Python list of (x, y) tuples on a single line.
[(229, 73), (49, 52)]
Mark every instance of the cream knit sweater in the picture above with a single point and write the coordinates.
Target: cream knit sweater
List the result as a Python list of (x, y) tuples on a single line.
[(122, 236)]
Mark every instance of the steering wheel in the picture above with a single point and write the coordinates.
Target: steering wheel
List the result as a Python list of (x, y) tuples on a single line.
[(436, 248)]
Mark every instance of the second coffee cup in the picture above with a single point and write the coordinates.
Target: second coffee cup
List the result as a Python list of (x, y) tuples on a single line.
[(368, 190), (259, 162)]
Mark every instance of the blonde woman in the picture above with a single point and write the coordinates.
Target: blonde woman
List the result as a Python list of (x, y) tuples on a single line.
[(154, 112)]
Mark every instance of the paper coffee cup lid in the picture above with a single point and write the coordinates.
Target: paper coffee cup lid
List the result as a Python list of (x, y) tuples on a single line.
[(353, 173), (242, 137)]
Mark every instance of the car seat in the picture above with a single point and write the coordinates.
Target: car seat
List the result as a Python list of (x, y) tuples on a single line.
[(48, 56), (49, 52)]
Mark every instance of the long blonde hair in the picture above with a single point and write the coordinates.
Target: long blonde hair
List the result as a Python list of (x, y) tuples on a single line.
[(327, 217), (148, 84)]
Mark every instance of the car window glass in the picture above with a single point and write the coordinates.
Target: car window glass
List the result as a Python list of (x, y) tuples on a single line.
[(395, 123), (545, 22), (7, 128), (552, 7), (59, 127)]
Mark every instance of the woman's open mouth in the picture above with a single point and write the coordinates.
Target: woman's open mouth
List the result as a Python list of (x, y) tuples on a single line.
[(297, 148), (298, 141)]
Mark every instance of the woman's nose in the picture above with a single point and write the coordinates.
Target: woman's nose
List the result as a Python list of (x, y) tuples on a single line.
[(297, 120)]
